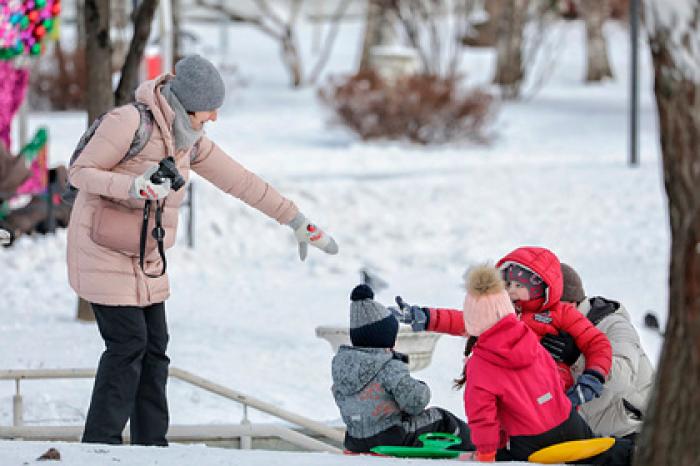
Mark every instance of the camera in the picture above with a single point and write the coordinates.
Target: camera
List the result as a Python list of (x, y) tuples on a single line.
[(168, 170)]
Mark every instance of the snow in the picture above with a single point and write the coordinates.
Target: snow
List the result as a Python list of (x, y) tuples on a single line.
[(675, 22), (101, 455), (243, 307)]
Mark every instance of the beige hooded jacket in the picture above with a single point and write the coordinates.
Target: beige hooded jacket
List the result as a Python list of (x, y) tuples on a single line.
[(630, 380), (103, 234)]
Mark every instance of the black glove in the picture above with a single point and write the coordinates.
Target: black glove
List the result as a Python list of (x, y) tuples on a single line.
[(400, 356), (562, 347)]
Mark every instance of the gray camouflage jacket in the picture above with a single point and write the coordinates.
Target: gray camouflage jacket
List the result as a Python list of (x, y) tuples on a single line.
[(375, 391)]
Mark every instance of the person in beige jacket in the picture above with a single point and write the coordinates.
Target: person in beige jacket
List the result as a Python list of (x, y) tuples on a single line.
[(124, 277), (621, 407)]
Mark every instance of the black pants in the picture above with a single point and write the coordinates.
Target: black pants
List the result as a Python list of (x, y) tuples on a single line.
[(574, 428), (398, 436), (131, 376)]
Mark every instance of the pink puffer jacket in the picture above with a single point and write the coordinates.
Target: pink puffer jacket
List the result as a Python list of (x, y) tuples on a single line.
[(103, 234)]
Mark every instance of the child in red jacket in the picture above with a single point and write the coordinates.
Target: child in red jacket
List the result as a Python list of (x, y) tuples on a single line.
[(512, 397), (534, 283)]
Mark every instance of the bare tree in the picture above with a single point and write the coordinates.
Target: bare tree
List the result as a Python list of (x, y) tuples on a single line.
[(177, 29), (594, 13), (670, 433), (80, 20), (270, 23), (509, 45), (98, 54), (142, 18), (434, 28), (485, 33), (100, 97), (120, 30), (376, 26)]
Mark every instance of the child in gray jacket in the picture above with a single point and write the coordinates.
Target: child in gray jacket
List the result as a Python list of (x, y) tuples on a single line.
[(381, 404)]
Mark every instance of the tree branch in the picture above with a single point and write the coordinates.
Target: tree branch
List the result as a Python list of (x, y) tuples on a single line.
[(240, 18), (143, 17), (330, 40)]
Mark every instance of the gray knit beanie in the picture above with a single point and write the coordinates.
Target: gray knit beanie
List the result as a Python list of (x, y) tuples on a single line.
[(371, 324), (197, 84), (573, 287)]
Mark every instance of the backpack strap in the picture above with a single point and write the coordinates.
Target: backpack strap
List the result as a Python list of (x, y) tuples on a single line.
[(601, 308), (143, 132)]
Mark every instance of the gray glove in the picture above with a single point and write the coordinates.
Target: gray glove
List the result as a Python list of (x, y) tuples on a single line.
[(143, 188), (308, 233), (416, 316)]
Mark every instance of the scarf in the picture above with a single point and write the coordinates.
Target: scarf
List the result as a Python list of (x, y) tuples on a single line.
[(185, 136)]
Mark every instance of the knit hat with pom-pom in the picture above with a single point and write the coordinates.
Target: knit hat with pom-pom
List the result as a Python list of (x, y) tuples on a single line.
[(487, 300), (371, 324)]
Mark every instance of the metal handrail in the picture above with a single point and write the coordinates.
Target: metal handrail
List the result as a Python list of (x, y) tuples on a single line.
[(314, 426)]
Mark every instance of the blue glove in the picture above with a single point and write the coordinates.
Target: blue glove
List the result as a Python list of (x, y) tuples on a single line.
[(588, 386), (417, 317)]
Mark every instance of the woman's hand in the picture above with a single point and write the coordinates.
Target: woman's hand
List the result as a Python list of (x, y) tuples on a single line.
[(308, 233), (144, 188)]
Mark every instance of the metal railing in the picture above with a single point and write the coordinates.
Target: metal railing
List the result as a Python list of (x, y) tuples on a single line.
[(245, 431)]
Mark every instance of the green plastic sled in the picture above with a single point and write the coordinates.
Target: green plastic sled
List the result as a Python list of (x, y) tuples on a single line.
[(434, 446)]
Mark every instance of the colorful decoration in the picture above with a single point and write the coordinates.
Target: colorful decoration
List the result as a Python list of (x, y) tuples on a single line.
[(36, 155), (24, 24), (13, 88)]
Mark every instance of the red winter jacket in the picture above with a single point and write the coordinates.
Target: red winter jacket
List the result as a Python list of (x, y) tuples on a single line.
[(512, 386), (551, 317)]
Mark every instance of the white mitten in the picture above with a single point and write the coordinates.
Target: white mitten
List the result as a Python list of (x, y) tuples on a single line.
[(307, 233), (144, 188), (5, 237)]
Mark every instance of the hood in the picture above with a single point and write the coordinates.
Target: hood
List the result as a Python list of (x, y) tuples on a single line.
[(509, 343), (354, 367), (597, 308), (544, 263), (148, 93)]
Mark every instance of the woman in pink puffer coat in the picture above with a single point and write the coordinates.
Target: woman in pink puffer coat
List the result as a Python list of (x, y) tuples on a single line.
[(104, 260)]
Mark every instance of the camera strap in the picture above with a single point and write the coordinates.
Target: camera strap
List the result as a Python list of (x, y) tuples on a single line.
[(158, 233)]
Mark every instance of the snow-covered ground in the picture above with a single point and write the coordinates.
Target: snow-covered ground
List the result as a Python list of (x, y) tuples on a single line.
[(243, 307), (12, 453)]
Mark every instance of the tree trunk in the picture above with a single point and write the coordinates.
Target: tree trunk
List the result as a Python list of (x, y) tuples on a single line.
[(119, 19), (670, 434), (80, 22), (376, 29), (99, 99), (509, 61), (177, 34), (98, 54), (143, 18), (291, 58), (594, 13), (486, 33), (85, 311)]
